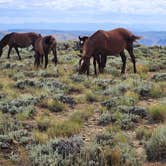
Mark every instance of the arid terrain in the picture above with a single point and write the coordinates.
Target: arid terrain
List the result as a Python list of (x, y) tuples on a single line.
[(54, 116)]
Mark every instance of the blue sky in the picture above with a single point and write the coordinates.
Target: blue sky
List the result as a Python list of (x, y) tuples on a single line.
[(143, 15)]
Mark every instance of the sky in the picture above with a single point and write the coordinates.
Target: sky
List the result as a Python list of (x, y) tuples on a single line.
[(88, 15)]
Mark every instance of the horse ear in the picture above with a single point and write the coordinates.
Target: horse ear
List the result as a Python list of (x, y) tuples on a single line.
[(79, 37)]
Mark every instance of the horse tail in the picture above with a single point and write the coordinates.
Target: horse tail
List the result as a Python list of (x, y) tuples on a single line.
[(5, 39), (133, 38)]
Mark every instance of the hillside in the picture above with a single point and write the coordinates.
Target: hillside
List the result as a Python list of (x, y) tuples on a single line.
[(149, 38), (57, 117)]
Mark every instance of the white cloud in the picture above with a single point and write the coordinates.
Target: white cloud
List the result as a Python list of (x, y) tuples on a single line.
[(117, 6), (134, 6), (113, 12)]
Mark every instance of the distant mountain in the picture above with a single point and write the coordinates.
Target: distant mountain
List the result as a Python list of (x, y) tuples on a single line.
[(149, 38), (153, 38)]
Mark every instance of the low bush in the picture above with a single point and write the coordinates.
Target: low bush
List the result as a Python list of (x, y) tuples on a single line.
[(159, 77), (105, 118), (40, 137), (91, 97), (142, 68), (43, 122), (66, 99), (127, 121), (143, 133), (63, 128), (156, 91), (156, 146), (118, 101), (53, 105), (81, 116), (158, 112), (20, 104)]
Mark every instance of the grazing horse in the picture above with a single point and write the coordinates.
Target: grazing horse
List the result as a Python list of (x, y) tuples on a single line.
[(18, 40), (101, 60), (109, 43), (43, 46)]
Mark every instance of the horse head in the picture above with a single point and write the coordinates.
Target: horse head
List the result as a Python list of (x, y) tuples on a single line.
[(82, 40), (51, 41), (84, 63)]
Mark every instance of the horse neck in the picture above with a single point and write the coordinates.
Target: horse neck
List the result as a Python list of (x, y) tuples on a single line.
[(33, 38), (88, 50), (4, 41)]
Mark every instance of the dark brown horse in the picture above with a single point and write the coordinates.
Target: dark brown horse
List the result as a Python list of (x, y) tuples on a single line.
[(43, 46), (18, 40), (109, 43), (101, 60)]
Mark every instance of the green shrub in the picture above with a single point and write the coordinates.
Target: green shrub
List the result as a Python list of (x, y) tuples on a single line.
[(27, 113), (156, 91), (156, 146), (114, 102), (63, 128), (147, 89), (91, 97), (58, 152), (8, 124), (40, 137), (127, 121), (53, 105), (159, 77), (143, 133), (81, 116), (105, 118), (158, 112), (43, 122)]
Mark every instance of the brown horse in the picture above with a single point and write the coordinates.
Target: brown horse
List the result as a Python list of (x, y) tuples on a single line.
[(43, 46), (109, 43), (18, 40), (101, 60)]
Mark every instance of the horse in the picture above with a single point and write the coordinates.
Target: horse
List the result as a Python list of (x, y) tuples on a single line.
[(101, 60), (18, 40), (43, 46), (111, 42)]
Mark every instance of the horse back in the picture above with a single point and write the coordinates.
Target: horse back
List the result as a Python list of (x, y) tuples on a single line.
[(107, 42), (20, 40)]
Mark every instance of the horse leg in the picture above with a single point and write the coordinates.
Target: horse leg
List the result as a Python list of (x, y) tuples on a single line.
[(35, 62), (9, 51), (18, 53), (55, 59), (46, 60), (123, 57), (88, 65), (130, 50), (104, 61), (42, 60), (94, 64), (38, 57)]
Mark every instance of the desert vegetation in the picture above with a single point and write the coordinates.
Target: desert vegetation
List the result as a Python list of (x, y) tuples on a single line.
[(54, 116)]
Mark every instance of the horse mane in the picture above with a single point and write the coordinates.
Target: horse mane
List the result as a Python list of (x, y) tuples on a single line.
[(5, 39)]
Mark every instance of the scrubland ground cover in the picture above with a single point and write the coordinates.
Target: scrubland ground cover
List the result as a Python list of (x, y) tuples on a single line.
[(57, 117)]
